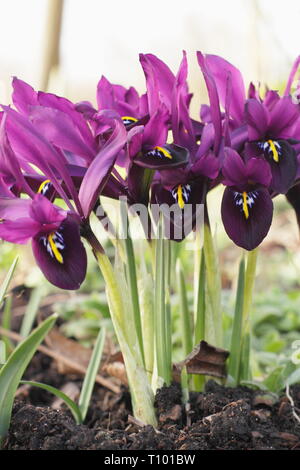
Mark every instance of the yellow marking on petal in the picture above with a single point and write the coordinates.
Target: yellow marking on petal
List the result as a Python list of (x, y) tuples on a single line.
[(128, 118), (164, 151), (43, 185), (56, 253), (179, 197), (245, 205), (274, 151)]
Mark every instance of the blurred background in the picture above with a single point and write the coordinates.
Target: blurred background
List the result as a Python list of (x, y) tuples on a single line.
[(64, 46)]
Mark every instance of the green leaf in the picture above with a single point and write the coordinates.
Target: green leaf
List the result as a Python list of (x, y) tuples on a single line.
[(2, 353), (236, 337), (5, 283), (161, 328), (6, 323), (213, 313), (122, 318), (131, 275), (274, 381), (12, 371), (294, 378), (90, 376), (74, 408), (186, 328), (31, 311), (200, 302)]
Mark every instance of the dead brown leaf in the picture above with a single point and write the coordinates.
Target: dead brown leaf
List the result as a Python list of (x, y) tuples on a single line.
[(205, 359), (116, 369), (70, 349)]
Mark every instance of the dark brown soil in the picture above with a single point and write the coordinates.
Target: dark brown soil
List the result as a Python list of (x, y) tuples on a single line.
[(220, 418)]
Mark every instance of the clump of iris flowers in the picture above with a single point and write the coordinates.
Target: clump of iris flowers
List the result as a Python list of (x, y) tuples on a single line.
[(150, 150)]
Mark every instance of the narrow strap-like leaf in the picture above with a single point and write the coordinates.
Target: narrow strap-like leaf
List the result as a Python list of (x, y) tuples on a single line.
[(236, 337), (7, 280), (31, 311), (74, 408), (12, 371), (90, 376)]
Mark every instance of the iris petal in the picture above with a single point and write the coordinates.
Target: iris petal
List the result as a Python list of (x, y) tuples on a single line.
[(160, 158), (247, 226), (181, 207), (283, 163), (61, 255)]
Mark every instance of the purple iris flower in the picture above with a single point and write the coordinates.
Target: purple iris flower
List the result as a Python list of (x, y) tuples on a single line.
[(148, 149), (43, 167), (247, 207), (54, 235), (126, 102), (272, 130), (187, 186), (267, 127)]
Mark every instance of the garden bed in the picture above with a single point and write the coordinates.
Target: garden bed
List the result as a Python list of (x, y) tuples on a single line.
[(220, 418)]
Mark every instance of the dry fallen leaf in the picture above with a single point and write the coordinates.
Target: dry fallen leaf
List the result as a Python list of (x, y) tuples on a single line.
[(205, 359), (70, 349), (116, 369)]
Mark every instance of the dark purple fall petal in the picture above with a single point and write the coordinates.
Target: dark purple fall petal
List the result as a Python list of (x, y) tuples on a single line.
[(138, 183), (284, 171), (249, 232), (293, 196), (163, 158), (70, 273), (180, 212)]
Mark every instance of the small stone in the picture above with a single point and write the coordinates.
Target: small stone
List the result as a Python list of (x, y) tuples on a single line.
[(262, 415), (174, 414)]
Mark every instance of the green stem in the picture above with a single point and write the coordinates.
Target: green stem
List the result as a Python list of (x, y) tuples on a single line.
[(163, 367), (123, 321), (213, 281), (168, 255), (132, 278), (199, 311), (146, 288), (6, 323), (236, 337), (249, 284), (200, 303), (245, 373), (187, 341)]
